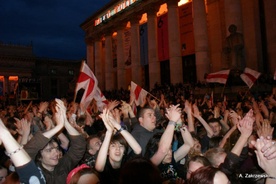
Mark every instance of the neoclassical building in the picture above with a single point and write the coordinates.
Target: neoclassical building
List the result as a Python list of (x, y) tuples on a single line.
[(172, 41)]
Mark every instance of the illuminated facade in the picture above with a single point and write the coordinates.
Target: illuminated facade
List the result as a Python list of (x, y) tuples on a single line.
[(172, 41)]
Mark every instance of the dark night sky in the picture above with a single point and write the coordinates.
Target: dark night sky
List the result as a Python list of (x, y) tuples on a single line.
[(52, 26)]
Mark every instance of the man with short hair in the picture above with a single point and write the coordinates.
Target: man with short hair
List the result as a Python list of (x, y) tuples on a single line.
[(93, 145), (146, 128)]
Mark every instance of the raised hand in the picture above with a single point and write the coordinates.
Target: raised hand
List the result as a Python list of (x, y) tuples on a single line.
[(188, 107), (105, 117), (196, 112), (268, 165), (173, 113), (245, 125), (265, 130), (112, 104)]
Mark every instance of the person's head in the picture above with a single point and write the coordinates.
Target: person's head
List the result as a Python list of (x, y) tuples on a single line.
[(152, 148), (208, 175), (215, 125), (195, 163), (232, 28), (147, 118), (216, 156), (83, 175), (215, 141), (93, 144), (49, 156), (140, 170), (117, 148), (3, 174), (196, 149)]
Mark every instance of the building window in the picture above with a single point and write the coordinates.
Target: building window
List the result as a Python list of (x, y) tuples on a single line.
[(71, 72), (53, 71)]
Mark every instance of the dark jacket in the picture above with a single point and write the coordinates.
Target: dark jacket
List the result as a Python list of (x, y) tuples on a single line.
[(68, 162)]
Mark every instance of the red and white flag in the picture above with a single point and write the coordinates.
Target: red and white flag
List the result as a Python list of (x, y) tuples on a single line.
[(100, 99), (139, 93), (219, 77), (249, 76), (88, 82)]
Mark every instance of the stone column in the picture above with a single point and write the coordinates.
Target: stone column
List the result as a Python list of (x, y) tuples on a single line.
[(201, 39), (270, 19), (121, 74), (90, 57), (176, 72), (136, 68), (154, 65), (99, 63), (109, 79)]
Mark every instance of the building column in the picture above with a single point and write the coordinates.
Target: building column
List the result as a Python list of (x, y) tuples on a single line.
[(121, 73), (154, 65), (99, 63), (109, 79), (201, 39), (176, 72), (136, 68), (90, 58), (270, 19), (233, 14)]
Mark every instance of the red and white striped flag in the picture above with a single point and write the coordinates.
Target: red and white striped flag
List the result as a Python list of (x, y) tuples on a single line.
[(139, 93), (249, 76), (88, 82), (100, 99), (219, 77)]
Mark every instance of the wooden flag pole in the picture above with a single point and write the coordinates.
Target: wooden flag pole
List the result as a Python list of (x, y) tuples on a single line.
[(75, 95), (223, 90), (246, 93), (154, 97)]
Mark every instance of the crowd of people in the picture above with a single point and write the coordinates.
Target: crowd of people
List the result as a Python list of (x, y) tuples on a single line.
[(174, 136)]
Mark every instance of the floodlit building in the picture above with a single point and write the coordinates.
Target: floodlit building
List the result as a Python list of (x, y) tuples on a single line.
[(172, 41)]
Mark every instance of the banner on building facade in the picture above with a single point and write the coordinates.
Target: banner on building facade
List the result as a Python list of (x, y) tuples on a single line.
[(163, 37), (114, 51), (144, 44), (186, 29), (1, 88), (127, 47)]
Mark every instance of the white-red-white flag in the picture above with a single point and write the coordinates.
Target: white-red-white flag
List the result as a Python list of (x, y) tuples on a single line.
[(219, 77), (100, 99), (139, 93), (88, 82), (249, 76)]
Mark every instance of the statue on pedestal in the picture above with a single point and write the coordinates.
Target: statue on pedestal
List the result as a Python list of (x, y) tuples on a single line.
[(234, 49)]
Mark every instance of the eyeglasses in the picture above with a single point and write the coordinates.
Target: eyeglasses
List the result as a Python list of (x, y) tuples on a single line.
[(49, 150)]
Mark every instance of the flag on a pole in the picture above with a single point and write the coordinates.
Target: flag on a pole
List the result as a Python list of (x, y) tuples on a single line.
[(139, 93), (219, 77), (249, 76), (212, 98), (100, 99), (88, 82)]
